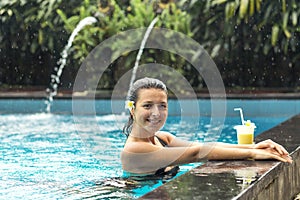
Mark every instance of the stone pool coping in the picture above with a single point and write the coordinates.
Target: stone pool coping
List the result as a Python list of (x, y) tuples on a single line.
[(240, 179), (106, 94)]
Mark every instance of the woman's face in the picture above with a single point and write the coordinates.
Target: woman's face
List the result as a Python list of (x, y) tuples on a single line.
[(151, 110)]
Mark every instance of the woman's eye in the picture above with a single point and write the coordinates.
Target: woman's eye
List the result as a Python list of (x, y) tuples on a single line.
[(163, 106), (147, 106), (159, 106)]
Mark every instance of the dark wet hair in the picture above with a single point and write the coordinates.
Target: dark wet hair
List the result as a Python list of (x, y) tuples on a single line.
[(144, 83)]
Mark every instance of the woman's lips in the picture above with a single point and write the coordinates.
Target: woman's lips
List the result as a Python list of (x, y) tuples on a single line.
[(154, 121)]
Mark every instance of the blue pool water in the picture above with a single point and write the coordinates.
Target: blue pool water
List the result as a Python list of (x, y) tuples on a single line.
[(49, 156)]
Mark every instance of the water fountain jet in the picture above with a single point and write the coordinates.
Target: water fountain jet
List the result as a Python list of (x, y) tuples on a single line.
[(140, 52), (55, 78)]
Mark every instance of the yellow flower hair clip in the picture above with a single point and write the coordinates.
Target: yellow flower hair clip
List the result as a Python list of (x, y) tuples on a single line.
[(129, 105)]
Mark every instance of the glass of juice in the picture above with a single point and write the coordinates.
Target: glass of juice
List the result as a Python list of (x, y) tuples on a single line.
[(245, 133)]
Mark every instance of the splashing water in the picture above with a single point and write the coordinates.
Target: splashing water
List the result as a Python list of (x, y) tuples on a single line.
[(141, 49), (55, 78)]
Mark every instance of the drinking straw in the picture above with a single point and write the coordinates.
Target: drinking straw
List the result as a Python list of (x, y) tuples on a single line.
[(241, 114)]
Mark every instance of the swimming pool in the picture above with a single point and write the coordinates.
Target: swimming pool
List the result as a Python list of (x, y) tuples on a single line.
[(48, 156)]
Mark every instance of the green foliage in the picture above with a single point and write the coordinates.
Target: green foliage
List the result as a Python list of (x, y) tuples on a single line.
[(253, 42), (284, 21), (112, 19), (29, 40)]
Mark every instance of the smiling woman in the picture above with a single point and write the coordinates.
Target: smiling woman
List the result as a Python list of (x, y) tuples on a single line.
[(155, 105), (150, 151)]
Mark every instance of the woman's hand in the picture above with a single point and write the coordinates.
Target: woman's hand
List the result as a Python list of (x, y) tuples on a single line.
[(269, 144), (261, 154), (269, 149)]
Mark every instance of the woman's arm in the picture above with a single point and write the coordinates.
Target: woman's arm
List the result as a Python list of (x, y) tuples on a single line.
[(143, 158), (219, 152), (146, 158), (261, 145), (174, 141)]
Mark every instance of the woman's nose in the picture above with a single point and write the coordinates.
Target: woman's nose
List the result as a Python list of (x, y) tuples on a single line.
[(155, 110)]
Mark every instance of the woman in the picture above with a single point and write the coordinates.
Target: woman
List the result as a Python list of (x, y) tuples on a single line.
[(150, 151)]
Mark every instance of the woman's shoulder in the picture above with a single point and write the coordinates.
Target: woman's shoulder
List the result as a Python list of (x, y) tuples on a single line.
[(165, 136), (138, 147)]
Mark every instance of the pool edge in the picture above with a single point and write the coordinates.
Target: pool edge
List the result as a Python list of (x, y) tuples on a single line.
[(280, 182), (283, 180)]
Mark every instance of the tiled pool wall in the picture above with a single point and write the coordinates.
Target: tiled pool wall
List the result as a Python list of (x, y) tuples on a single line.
[(200, 107)]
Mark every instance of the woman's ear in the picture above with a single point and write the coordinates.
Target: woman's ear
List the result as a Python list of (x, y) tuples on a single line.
[(131, 111)]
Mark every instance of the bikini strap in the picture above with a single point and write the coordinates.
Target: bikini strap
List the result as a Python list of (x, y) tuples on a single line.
[(161, 141)]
